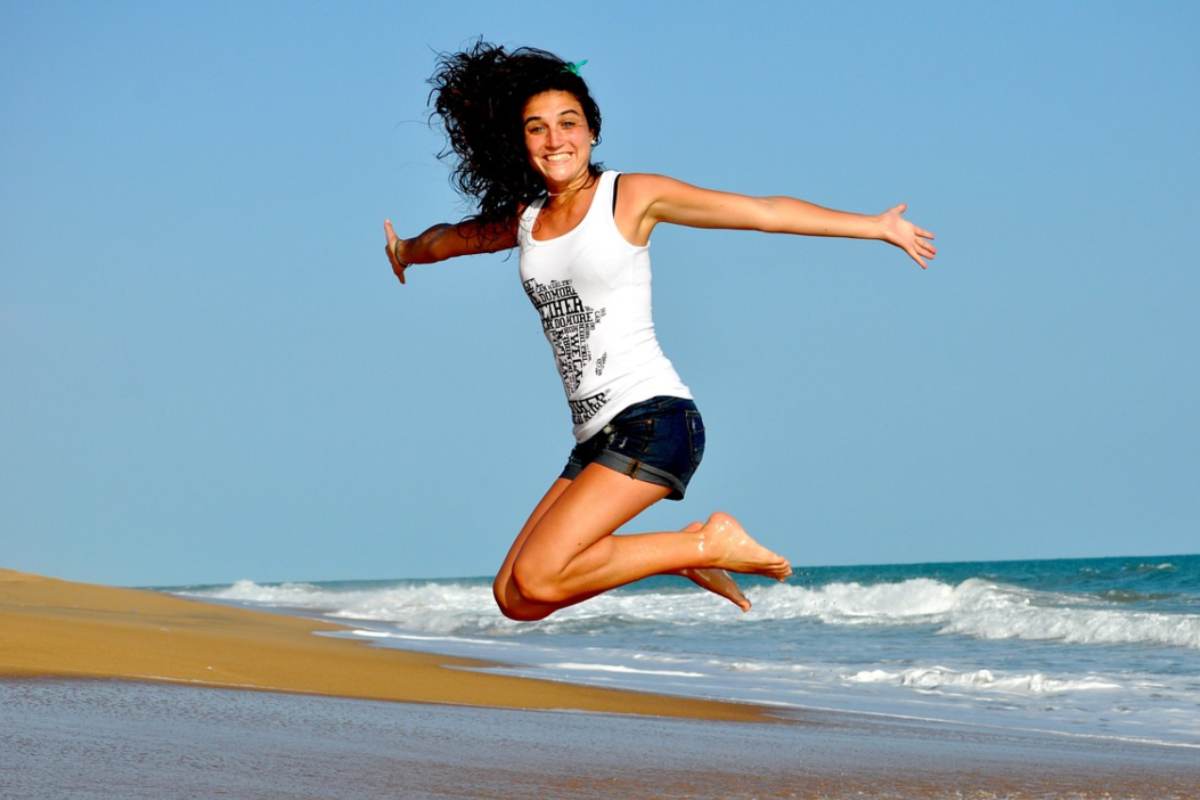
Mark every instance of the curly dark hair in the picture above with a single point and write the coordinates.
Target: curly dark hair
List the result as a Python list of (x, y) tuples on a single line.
[(479, 95)]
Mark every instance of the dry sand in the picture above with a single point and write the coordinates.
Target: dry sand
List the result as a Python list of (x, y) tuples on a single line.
[(51, 627)]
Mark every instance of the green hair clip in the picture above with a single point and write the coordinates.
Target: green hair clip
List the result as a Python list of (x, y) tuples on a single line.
[(573, 67)]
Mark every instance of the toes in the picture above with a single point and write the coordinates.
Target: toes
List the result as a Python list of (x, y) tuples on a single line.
[(780, 571)]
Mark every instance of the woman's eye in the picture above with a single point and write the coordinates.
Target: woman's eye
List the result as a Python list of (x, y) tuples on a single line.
[(569, 123), (535, 129)]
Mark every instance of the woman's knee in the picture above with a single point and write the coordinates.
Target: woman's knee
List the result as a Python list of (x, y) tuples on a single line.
[(514, 605), (535, 582)]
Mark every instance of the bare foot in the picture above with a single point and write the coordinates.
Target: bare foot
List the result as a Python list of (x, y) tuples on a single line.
[(714, 580), (727, 542)]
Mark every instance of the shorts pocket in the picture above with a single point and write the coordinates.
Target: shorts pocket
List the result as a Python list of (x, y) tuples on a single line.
[(695, 429), (632, 437)]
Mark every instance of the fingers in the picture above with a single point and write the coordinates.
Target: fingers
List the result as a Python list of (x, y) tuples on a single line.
[(398, 266), (911, 239), (920, 251)]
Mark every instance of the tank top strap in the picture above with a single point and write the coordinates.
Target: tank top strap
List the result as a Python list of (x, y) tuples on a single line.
[(526, 220), (602, 202)]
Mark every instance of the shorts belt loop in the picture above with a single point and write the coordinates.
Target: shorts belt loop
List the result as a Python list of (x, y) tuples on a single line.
[(633, 468)]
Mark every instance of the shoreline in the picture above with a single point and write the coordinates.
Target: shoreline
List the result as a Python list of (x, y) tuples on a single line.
[(90, 739), (160, 697), (64, 629)]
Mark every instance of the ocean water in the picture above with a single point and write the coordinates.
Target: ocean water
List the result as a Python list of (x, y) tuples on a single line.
[(1086, 647)]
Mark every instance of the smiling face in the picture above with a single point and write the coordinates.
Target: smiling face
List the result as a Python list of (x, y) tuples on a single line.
[(557, 139)]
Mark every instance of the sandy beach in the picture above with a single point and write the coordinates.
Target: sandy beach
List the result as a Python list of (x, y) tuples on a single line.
[(123, 693), (51, 627)]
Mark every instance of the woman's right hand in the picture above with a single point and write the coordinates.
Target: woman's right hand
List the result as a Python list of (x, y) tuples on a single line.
[(395, 250)]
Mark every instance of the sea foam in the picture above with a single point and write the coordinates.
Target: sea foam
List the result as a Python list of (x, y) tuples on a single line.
[(942, 678), (975, 607), (978, 608)]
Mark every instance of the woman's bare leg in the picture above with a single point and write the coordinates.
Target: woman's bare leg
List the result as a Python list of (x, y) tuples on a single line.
[(569, 554), (513, 605)]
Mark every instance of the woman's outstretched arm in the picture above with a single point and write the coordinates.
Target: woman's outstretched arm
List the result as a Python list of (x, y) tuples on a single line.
[(656, 198), (446, 241)]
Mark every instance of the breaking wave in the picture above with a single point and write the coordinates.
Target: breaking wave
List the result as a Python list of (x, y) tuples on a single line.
[(975, 607), (981, 609)]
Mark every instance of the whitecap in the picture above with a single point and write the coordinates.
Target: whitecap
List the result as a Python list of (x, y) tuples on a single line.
[(940, 678), (576, 666), (975, 607)]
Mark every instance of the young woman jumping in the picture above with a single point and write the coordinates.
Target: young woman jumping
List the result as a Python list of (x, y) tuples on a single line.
[(522, 126)]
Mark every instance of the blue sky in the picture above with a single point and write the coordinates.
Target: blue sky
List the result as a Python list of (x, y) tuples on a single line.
[(210, 373)]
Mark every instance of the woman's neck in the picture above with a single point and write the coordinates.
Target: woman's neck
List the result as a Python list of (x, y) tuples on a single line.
[(563, 194)]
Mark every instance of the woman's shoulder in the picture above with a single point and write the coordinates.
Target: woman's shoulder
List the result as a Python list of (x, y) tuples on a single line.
[(644, 181), (647, 177), (643, 188)]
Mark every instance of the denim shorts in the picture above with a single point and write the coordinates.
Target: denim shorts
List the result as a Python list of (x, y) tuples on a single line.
[(660, 440)]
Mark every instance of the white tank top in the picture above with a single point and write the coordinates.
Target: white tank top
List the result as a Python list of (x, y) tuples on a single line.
[(591, 288)]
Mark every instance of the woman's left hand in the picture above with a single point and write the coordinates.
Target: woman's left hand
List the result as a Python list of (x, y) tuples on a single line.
[(394, 249), (895, 229)]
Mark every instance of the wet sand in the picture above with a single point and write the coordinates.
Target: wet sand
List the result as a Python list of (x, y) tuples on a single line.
[(88, 740)]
